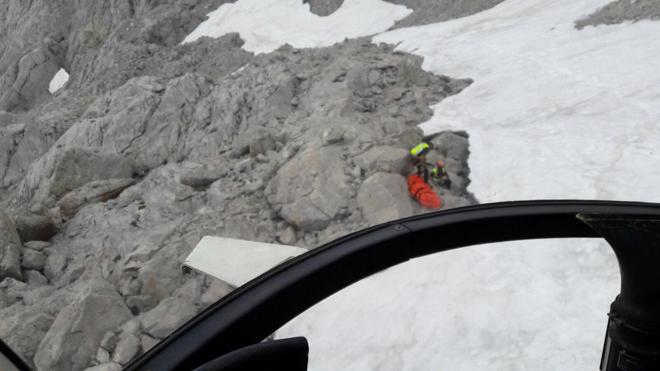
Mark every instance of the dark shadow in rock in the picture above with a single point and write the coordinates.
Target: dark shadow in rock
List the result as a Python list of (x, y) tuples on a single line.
[(323, 8)]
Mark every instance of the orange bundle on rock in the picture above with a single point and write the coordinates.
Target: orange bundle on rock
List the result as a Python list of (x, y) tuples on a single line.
[(423, 192)]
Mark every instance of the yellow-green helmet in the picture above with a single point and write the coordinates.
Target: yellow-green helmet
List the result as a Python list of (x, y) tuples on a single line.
[(420, 149)]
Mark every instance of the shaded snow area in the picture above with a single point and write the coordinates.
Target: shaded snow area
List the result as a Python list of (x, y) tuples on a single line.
[(58, 81), (554, 112), (265, 25)]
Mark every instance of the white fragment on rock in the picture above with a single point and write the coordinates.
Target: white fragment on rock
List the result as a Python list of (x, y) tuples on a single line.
[(58, 81), (237, 261)]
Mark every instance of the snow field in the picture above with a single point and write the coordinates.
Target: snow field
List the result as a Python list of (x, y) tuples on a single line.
[(265, 25)]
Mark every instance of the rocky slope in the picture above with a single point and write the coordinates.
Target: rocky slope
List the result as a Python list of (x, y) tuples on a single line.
[(424, 11), (621, 11), (109, 183)]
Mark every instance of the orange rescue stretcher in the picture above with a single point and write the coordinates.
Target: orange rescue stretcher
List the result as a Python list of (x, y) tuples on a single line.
[(423, 193)]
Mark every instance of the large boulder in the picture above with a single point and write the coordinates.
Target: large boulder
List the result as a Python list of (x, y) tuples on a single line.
[(10, 136), (311, 189), (385, 159), (167, 316), (10, 249), (13, 290), (202, 176), (54, 265), (78, 329), (452, 145), (33, 259), (323, 7), (254, 140), (92, 192), (65, 169), (35, 227), (127, 347), (31, 76), (78, 166), (22, 328), (384, 197)]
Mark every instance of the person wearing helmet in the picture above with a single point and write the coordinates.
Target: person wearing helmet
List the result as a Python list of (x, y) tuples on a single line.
[(439, 175), (418, 159)]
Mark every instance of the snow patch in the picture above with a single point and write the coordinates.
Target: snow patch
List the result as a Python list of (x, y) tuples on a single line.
[(58, 81), (553, 113), (265, 25)]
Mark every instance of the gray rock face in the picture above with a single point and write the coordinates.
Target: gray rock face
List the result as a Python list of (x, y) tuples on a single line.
[(621, 11), (75, 334), (33, 259), (216, 290), (11, 134), (26, 82), (92, 192), (323, 7), (380, 198), (62, 171), (311, 188), (35, 278), (54, 266), (287, 236), (23, 328), (10, 249), (383, 159), (127, 347), (36, 245), (167, 316), (202, 176), (147, 342), (452, 145), (34, 227), (453, 148), (13, 290), (426, 12)]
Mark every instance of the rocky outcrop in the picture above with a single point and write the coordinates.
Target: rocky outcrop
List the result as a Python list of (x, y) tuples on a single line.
[(24, 327), (10, 249), (167, 316), (385, 159), (92, 192), (323, 7), (64, 169), (621, 11), (311, 189), (26, 83), (77, 331), (380, 198), (426, 12), (453, 149), (35, 227), (102, 45)]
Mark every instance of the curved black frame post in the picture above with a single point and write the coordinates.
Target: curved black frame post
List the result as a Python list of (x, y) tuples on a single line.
[(255, 310), (632, 342)]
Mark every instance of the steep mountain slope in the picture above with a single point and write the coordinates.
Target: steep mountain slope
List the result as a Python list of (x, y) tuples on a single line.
[(152, 144)]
